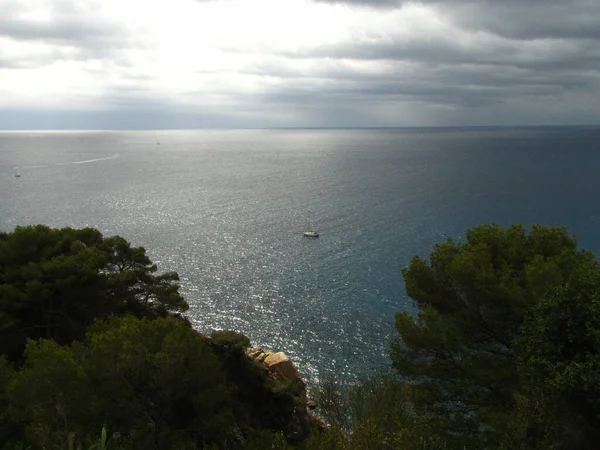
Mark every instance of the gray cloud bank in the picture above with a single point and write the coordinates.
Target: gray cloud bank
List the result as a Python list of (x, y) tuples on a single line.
[(487, 63), (74, 29), (535, 62)]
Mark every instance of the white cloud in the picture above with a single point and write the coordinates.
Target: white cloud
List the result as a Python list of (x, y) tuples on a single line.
[(273, 62)]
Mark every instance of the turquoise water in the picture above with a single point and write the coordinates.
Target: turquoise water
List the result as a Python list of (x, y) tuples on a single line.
[(226, 209)]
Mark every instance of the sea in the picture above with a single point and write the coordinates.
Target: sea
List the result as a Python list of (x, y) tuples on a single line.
[(227, 209)]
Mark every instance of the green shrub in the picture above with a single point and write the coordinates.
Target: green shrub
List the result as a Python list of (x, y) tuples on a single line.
[(56, 282), (155, 383), (229, 341), (374, 413)]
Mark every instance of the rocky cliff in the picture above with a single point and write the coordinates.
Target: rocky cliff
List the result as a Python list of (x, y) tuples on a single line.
[(282, 371), (269, 392)]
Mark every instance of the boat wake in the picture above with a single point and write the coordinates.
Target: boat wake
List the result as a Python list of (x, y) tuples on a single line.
[(86, 161)]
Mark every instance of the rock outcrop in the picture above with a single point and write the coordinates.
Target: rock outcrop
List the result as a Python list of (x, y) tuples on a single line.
[(279, 366), (281, 369)]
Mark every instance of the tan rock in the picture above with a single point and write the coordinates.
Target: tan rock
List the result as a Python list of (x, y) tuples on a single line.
[(279, 367), (254, 352), (257, 354), (281, 364)]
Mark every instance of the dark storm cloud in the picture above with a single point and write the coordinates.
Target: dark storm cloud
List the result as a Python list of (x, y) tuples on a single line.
[(414, 103), (496, 54), (392, 3), (518, 19), (447, 73), (496, 81), (433, 74), (576, 19), (427, 91), (541, 55)]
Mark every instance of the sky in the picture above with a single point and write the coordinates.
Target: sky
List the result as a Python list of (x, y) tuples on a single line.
[(133, 64)]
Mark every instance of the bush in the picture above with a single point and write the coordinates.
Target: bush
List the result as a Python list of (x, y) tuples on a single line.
[(374, 413), (56, 282), (156, 383), (504, 350)]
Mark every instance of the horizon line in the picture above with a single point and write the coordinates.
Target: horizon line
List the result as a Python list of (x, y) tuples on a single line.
[(415, 127)]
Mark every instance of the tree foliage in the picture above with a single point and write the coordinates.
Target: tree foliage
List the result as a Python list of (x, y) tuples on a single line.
[(261, 402), (504, 353), (559, 353), (156, 383), (56, 282), (7, 423), (91, 337), (460, 354), (374, 414)]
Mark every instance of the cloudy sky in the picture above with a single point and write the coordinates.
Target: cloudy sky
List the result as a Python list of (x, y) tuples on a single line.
[(286, 63)]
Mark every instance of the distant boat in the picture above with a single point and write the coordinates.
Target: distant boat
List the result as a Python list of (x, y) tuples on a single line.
[(311, 234), (17, 175)]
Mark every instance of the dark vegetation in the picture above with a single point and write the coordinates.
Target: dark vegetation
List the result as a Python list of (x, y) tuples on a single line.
[(505, 351), (91, 337), (504, 354)]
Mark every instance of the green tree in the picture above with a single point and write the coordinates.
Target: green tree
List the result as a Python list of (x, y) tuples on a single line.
[(159, 378), (157, 384), (51, 393), (459, 354), (55, 282), (559, 354), (7, 424), (131, 280), (267, 440), (372, 414), (261, 402)]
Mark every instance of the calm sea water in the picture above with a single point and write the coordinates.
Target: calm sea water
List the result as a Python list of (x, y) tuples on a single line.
[(226, 209)]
